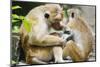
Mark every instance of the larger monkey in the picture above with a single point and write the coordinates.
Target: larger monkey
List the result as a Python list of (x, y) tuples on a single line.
[(81, 45), (39, 46)]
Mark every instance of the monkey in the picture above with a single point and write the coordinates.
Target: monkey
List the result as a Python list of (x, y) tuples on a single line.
[(38, 45), (40, 52), (80, 47)]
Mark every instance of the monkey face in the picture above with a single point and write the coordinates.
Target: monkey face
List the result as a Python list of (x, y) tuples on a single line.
[(54, 15), (73, 13)]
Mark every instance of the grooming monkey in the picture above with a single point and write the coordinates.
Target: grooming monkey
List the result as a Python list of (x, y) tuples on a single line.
[(81, 45), (39, 45)]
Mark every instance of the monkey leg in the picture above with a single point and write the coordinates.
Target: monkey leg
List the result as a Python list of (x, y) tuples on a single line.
[(32, 59), (37, 61), (72, 50), (58, 52)]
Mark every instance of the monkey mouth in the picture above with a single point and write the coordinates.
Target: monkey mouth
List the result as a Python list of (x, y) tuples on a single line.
[(56, 26)]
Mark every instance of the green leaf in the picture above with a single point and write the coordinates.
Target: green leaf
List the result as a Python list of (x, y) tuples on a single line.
[(15, 7), (21, 17), (16, 29), (13, 62), (27, 25), (13, 21), (15, 16)]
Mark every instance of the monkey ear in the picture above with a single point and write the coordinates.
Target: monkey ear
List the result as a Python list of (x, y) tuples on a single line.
[(61, 5)]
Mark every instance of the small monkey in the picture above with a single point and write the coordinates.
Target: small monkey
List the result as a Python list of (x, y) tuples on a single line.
[(81, 45), (38, 45)]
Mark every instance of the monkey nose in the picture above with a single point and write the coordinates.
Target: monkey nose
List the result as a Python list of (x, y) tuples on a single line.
[(58, 17)]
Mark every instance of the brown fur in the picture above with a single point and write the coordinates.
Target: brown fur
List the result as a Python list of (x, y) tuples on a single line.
[(86, 38), (39, 46)]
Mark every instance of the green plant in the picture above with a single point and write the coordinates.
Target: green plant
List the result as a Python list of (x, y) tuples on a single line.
[(17, 19)]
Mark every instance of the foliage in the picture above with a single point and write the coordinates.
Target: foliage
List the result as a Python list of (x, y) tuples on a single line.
[(26, 24), (15, 7), (17, 19)]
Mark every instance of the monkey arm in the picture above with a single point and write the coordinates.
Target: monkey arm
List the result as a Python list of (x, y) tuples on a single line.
[(42, 40), (74, 52), (48, 40)]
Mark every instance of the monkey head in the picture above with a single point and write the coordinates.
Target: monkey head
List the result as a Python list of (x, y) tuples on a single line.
[(73, 12), (54, 15)]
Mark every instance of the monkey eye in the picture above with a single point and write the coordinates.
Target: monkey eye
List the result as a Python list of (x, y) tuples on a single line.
[(46, 15), (72, 15)]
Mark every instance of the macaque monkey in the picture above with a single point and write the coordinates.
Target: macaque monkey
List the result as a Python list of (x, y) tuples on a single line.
[(81, 45), (39, 45)]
